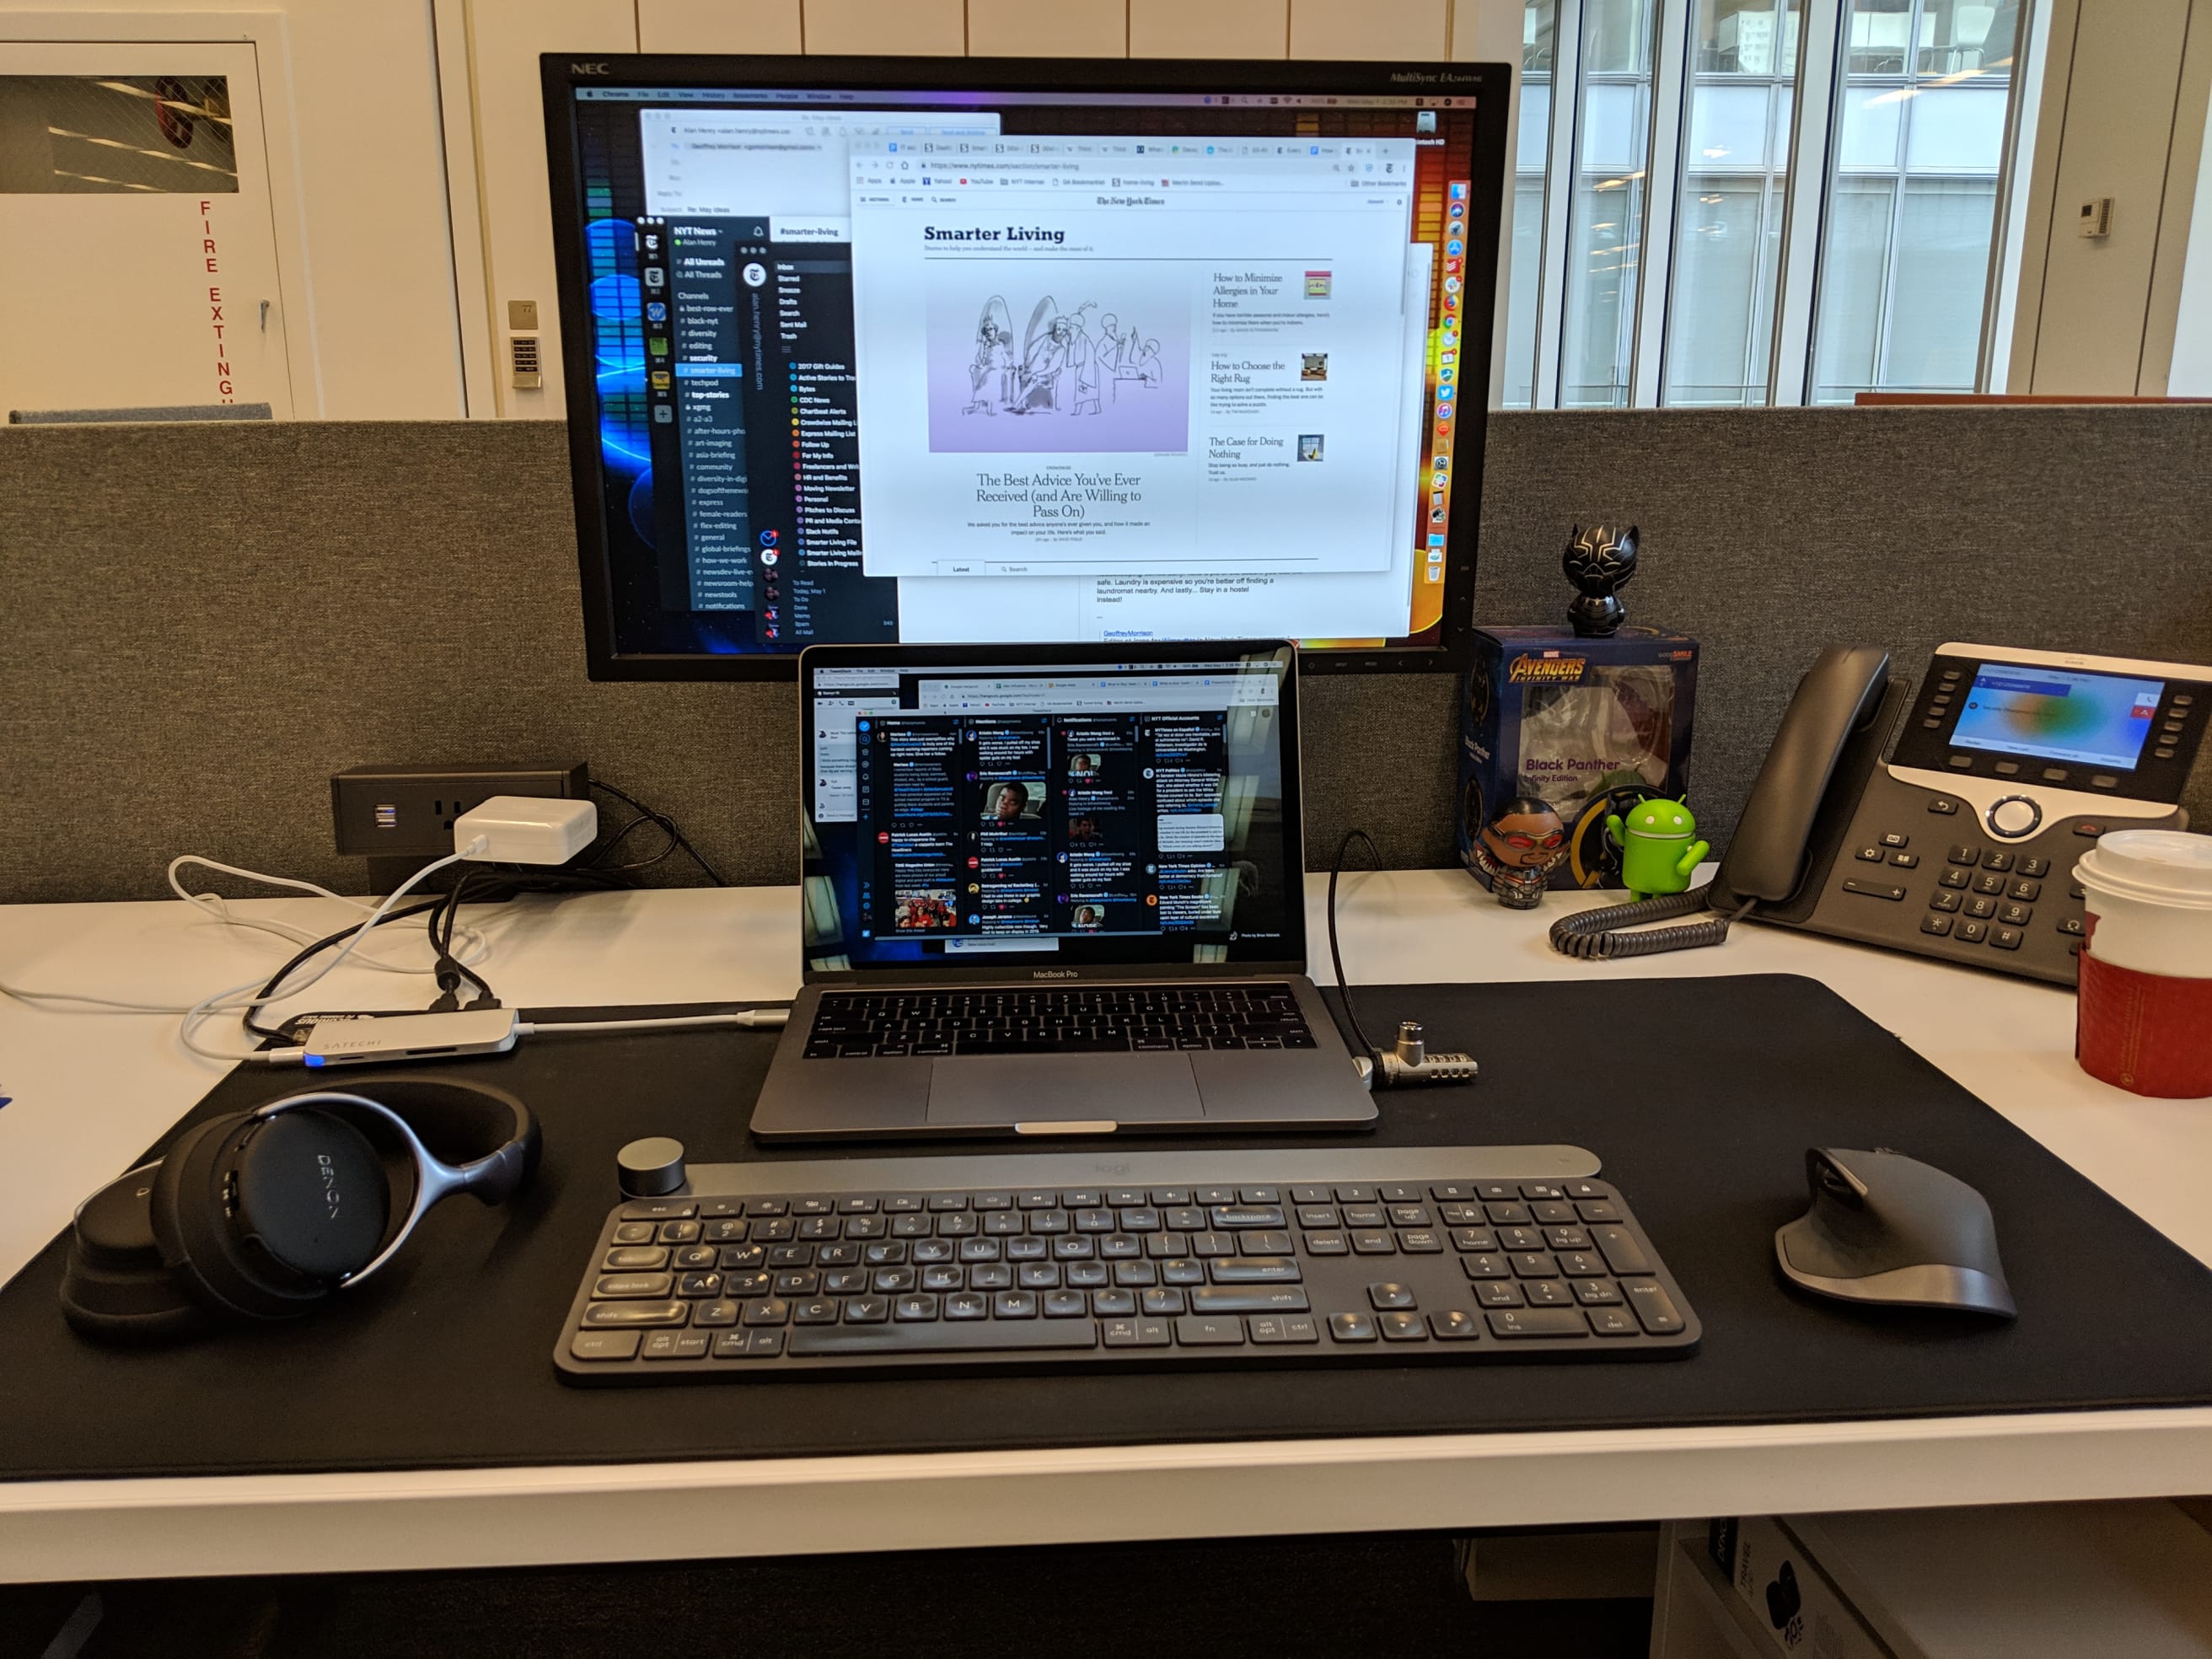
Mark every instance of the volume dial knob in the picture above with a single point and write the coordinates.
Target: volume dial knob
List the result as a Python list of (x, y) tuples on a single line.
[(651, 1167)]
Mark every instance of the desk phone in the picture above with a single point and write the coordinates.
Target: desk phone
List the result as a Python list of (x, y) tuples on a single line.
[(1946, 821)]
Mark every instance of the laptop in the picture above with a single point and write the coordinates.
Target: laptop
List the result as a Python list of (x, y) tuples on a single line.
[(1054, 890)]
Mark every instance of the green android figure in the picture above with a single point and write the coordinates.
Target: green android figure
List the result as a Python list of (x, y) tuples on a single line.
[(1658, 847)]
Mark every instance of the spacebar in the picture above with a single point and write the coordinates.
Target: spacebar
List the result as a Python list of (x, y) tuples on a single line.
[(1049, 1046), (977, 1336)]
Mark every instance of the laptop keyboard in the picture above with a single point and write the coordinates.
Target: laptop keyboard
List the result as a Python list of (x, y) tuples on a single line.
[(1302, 1258), (850, 1025)]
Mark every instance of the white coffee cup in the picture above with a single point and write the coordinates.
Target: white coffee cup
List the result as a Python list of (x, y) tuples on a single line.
[(2148, 893)]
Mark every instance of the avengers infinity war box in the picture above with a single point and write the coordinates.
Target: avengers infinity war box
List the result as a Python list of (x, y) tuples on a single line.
[(1583, 727)]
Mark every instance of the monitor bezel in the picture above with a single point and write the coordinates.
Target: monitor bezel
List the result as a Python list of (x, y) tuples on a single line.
[(563, 73)]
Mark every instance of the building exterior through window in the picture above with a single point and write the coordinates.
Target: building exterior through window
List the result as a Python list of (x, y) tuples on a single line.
[(1669, 249)]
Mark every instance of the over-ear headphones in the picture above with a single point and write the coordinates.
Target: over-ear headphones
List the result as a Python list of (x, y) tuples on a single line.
[(267, 1214)]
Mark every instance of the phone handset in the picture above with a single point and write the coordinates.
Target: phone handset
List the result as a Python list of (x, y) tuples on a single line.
[(1838, 694), (1766, 861)]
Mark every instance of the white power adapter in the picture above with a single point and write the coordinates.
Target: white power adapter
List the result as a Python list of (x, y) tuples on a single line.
[(527, 829)]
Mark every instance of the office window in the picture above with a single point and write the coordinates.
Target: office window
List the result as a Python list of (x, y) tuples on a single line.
[(1532, 151), (1728, 221), (1605, 226), (1822, 180), (1923, 90)]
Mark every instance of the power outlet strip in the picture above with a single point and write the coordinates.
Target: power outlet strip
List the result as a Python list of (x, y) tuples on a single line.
[(407, 812)]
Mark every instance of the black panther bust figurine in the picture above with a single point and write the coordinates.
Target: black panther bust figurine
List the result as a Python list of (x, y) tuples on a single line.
[(1600, 561)]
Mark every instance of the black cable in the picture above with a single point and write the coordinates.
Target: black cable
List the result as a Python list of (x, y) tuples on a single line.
[(449, 969), (493, 883), (608, 844), (1595, 935), (1335, 959), (321, 945), (675, 835)]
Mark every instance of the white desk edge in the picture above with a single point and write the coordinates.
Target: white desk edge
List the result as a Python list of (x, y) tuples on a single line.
[(2007, 1041)]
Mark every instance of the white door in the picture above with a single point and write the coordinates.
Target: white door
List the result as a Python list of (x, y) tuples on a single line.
[(137, 252)]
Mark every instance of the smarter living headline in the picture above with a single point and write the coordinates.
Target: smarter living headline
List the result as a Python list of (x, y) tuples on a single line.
[(978, 234)]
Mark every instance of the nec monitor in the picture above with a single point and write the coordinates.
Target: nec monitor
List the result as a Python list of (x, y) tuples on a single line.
[(880, 350)]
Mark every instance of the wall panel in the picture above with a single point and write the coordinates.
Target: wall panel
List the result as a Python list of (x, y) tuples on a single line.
[(505, 38), (1071, 29), (719, 26), (886, 28), (1209, 28), (1418, 30)]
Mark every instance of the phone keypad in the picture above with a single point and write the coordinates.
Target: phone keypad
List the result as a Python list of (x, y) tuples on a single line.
[(1983, 895)]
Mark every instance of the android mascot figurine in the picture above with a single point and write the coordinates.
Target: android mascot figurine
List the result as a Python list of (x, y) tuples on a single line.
[(1659, 847)]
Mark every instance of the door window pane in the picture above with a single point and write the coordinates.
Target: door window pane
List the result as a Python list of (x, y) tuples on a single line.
[(1533, 149), (1911, 223), (116, 135), (1728, 221), (1605, 229)]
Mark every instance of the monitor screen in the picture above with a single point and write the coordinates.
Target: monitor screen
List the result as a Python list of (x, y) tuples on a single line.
[(926, 351), (2058, 715), (968, 809)]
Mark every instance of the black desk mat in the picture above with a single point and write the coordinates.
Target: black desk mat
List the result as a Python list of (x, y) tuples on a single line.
[(1699, 1095)]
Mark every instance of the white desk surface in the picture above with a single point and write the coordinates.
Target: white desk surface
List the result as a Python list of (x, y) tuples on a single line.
[(87, 1093)]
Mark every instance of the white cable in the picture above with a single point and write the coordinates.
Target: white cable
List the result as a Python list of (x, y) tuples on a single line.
[(221, 1002), (471, 946), (93, 1004), (759, 1018), (237, 999)]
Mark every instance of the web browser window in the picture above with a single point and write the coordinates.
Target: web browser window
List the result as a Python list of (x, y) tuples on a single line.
[(1100, 358)]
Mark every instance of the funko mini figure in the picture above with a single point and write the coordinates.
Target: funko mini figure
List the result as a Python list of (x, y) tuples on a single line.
[(1517, 848), (1659, 847)]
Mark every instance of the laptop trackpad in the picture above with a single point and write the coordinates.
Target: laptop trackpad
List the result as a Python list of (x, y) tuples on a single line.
[(1119, 1088)]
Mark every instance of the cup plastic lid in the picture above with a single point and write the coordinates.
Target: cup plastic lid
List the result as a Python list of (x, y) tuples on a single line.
[(2162, 865)]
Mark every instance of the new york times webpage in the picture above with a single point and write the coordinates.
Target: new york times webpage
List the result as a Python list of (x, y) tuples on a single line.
[(1224, 605), (1094, 363)]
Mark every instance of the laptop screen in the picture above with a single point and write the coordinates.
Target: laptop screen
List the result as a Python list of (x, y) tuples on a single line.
[(999, 808)]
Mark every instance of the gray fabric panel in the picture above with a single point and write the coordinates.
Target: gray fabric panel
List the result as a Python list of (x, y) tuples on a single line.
[(200, 624), (162, 412), (1769, 534), (205, 622)]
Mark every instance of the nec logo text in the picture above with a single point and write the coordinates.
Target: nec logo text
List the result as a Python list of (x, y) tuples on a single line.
[(587, 69)]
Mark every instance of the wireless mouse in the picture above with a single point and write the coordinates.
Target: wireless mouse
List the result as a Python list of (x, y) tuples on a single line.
[(1889, 1230)]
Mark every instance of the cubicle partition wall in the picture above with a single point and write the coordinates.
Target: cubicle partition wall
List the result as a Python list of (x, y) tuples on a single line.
[(199, 624)]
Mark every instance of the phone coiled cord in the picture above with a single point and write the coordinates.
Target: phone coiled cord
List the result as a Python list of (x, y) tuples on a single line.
[(1594, 935)]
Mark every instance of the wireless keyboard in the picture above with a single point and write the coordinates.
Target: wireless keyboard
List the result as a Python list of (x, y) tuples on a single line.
[(1369, 1257)]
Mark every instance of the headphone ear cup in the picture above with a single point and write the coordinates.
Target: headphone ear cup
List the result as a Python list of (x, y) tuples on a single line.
[(114, 1286), (200, 1246), (309, 1188)]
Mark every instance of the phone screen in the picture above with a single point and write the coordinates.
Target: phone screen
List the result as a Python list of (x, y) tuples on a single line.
[(2058, 715)]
